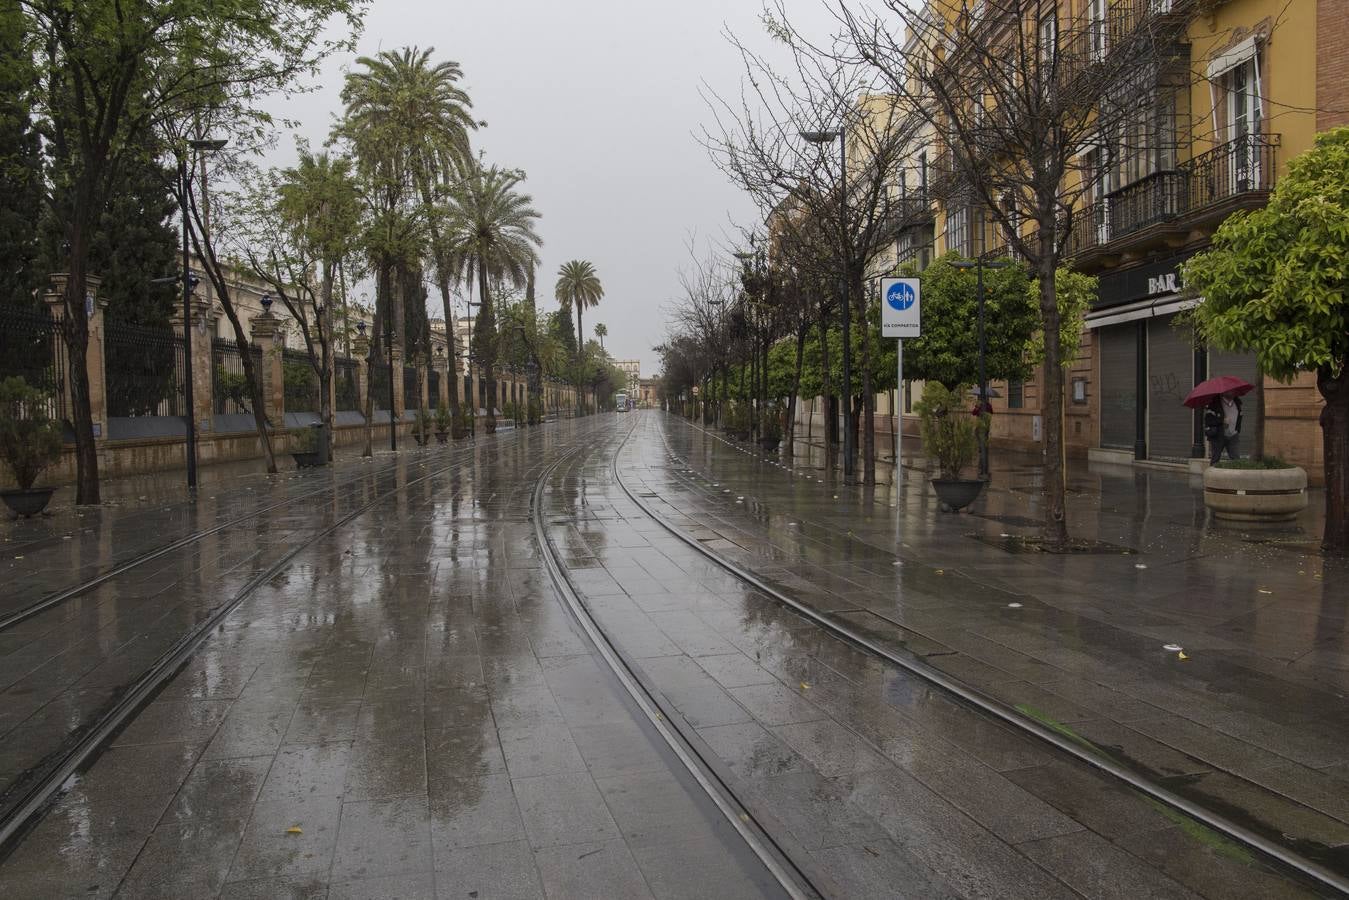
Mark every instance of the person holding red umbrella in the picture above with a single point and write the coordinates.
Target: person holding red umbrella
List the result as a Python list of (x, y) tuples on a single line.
[(1221, 399)]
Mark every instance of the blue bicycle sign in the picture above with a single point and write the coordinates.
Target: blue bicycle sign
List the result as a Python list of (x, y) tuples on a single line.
[(901, 296)]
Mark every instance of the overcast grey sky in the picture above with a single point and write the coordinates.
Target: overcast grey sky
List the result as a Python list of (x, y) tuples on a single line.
[(598, 101)]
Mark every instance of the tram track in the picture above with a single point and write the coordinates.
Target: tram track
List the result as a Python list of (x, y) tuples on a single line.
[(11, 619), (33, 799), (1041, 732), (663, 718)]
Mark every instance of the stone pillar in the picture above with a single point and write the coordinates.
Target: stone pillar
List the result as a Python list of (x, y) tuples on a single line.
[(423, 389), (94, 355), (361, 348), (265, 334), (202, 362), (442, 397), (396, 379)]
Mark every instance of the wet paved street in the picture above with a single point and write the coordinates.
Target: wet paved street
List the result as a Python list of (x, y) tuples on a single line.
[(1254, 722), (401, 703)]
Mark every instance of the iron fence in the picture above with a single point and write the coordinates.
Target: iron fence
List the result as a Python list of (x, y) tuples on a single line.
[(299, 381), (33, 348), (433, 388), (346, 386), (144, 370), (228, 382), (412, 388), (379, 385)]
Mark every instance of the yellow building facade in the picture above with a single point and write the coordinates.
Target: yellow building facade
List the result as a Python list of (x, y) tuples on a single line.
[(1240, 88)]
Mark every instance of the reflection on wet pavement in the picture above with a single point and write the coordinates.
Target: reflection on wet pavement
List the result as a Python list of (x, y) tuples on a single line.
[(404, 710), (873, 776), (1251, 723), (407, 708)]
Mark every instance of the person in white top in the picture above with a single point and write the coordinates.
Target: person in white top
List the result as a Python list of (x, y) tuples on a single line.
[(1222, 426)]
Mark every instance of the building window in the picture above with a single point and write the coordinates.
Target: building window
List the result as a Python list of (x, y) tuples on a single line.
[(1079, 390), (1016, 395), (1099, 34), (958, 231), (1049, 35), (1241, 87)]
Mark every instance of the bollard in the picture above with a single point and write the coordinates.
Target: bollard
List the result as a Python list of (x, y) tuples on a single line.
[(321, 442)]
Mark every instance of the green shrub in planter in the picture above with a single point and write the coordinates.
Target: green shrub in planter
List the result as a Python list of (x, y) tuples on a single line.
[(950, 433), (442, 418), (1268, 462), (30, 440)]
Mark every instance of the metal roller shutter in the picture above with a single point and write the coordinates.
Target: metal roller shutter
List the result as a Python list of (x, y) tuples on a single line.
[(1223, 362), (1119, 373), (1170, 378)]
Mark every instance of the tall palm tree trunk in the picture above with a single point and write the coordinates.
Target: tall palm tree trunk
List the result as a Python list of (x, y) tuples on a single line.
[(489, 354)]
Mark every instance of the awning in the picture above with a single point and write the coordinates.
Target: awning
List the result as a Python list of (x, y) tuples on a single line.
[(1142, 309)]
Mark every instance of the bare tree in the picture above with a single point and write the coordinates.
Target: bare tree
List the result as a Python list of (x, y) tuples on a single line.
[(776, 142), (1030, 107), (701, 315)]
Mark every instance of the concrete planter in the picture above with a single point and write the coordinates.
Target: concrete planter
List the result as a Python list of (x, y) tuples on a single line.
[(1255, 495)]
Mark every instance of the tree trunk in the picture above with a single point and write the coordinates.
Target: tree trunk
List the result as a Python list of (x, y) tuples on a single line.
[(372, 360), (489, 358), (789, 429), (452, 350), (1055, 529), (580, 355), (1258, 433), (214, 272), (827, 392), (1335, 443), (326, 357), (75, 331), (868, 397)]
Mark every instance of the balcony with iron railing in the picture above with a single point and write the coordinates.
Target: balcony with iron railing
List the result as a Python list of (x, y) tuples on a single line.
[(1167, 205), (909, 211)]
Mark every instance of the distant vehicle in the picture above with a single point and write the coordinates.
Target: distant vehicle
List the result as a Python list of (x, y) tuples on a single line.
[(621, 402)]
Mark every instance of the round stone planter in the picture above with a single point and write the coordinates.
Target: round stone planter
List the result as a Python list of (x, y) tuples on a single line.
[(957, 493), (1255, 495), (28, 502)]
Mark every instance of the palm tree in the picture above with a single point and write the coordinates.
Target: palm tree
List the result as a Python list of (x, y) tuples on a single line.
[(601, 332), (489, 238), (578, 286), (409, 125)]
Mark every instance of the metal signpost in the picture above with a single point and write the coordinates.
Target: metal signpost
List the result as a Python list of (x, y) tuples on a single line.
[(901, 317)]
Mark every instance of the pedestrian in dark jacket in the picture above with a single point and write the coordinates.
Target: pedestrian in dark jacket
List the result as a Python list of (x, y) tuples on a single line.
[(1222, 426)]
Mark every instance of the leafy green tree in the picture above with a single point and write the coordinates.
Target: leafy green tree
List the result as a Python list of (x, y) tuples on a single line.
[(20, 160), (490, 239), (601, 332), (301, 222), (948, 350), (560, 327), (120, 68), (1275, 283)]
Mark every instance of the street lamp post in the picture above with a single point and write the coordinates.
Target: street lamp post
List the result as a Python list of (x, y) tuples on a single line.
[(824, 137), (189, 280), (978, 265)]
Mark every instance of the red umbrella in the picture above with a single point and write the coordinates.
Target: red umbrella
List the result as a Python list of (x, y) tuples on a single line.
[(1205, 391)]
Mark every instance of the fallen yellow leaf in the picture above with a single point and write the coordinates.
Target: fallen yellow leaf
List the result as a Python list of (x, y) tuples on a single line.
[(1182, 655), (295, 829)]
